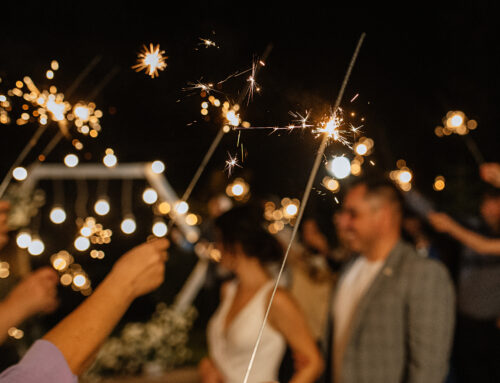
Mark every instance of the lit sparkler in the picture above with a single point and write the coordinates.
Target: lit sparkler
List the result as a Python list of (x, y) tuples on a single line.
[(151, 61), (231, 163), (207, 43)]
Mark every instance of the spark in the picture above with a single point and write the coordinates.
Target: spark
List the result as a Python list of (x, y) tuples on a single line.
[(151, 60), (231, 163), (198, 85), (253, 85), (208, 43), (355, 97), (332, 127)]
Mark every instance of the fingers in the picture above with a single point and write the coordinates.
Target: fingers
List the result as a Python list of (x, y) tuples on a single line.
[(160, 244)]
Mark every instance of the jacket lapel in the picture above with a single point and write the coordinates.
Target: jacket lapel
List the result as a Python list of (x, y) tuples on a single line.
[(386, 271)]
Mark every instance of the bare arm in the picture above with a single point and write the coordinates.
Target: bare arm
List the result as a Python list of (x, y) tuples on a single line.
[(477, 242), (79, 335), (490, 172), (37, 293), (286, 317)]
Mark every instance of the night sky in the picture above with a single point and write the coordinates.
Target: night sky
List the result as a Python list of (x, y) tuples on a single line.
[(413, 68)]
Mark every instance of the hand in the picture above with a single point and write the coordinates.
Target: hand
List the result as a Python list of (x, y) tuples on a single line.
[(142, 269), (37, 293), (490, 173), (441, 222), (4, 208)]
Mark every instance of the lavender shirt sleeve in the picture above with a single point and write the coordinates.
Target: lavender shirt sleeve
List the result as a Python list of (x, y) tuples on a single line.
[(43, 363)]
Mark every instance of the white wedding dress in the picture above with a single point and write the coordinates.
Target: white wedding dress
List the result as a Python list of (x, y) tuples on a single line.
[(231, 350)]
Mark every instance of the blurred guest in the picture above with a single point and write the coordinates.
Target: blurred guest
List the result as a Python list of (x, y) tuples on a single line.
[(4, 238), (246, 248), (478, 325), (393, 310), (67, 349), (490, 172)]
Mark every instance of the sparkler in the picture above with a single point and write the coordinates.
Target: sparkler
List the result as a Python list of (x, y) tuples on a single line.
[(303, 204), (207, 43), (52, 105), (231, 163), (151, 61)]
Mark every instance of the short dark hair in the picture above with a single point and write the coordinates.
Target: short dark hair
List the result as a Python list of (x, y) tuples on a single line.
[(381, 186), (244, 225)]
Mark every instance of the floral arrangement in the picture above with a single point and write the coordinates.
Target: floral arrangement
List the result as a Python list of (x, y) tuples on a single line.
[(24, 205), (149, 348)]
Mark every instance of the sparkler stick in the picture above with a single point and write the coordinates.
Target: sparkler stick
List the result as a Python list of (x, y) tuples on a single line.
[(216, 142), (474, 150), (303, 204), (41, 129)]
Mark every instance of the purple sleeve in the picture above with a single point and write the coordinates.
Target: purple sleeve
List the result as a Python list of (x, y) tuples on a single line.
[(43, 363)]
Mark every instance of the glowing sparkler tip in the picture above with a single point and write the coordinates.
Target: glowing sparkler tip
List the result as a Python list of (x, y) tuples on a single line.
[(231, 163), (151, 61)]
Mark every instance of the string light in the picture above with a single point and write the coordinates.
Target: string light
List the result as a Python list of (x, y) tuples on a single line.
[(36, 247), (128, 225), (102, 207), (340, 167), (57, 215), (181, 207), (160, 228), (150, 196), (71, 160), (20, 173), (82, 243), (158, 167), (23, 239)]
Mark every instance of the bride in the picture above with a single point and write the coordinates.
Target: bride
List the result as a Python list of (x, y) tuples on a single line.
[(247, 249)]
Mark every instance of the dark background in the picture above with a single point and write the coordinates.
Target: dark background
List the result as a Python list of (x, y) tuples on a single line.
[(414, 66)]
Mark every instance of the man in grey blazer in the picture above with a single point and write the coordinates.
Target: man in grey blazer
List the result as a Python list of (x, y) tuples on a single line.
[(393, 310)]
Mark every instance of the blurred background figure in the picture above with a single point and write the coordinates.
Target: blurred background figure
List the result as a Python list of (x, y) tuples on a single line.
[(246, 248), (490, 172), (478, 323), (4, 238)]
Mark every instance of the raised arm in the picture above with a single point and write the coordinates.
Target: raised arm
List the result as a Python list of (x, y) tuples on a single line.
[(477, 242), (490, 173), (37, 293), (73, 341), (286, 317)]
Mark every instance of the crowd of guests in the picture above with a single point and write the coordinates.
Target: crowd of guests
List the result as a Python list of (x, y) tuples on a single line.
[(376, 308)]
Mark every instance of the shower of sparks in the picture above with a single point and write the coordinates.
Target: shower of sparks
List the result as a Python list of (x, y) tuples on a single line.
[(202, 87), (332, 127), (231, 162), (151, 61), (253, 85), (207, 43)]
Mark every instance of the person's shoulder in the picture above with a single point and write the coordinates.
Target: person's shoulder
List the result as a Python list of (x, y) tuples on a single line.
[(226, 287), (415, 266)]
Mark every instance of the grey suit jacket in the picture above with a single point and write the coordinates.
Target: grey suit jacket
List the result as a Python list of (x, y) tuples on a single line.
[(402, 329)]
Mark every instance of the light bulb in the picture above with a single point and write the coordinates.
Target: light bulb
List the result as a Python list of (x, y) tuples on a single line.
[(71, 160), (181, 207), (150, 196), (102, 207), (128, 225), (158, 167), (23, 239), (82, 243), (36, 247), (20, 173), (57, 215), (340, 167), (160, 229)]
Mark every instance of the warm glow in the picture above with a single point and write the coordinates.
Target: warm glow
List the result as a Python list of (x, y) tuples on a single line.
[(57, 215), (59, 264), (191, 219), (233, 118), (164, 208), (20, 173), (86, 231), (405, 176), (151, 61), (361, 149), (82, 112), (79, 280), (456, 121), (66, 279), (150, 196), (439, 183)]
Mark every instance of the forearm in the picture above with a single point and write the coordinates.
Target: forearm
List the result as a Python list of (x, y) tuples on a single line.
[(10, 316), (79, 335), (475, 241), (309, 372)]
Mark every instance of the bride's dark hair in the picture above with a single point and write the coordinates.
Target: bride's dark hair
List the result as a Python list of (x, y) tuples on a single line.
[(244, 225)]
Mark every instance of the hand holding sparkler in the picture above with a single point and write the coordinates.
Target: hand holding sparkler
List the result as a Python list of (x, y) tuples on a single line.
[(490, 172)]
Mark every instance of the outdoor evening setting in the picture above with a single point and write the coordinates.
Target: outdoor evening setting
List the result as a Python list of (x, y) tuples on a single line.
[(249, 193)]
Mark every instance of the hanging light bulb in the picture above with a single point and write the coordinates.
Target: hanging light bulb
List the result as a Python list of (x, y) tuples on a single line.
[(181, 207), (340, 167), (20, 173), (23, 239), (71, 160), (110, 159), (128, 225), (160, 228), (36, 246), (57, 215), (102, 207), (158, 167), (82, 243), (150, 196)]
